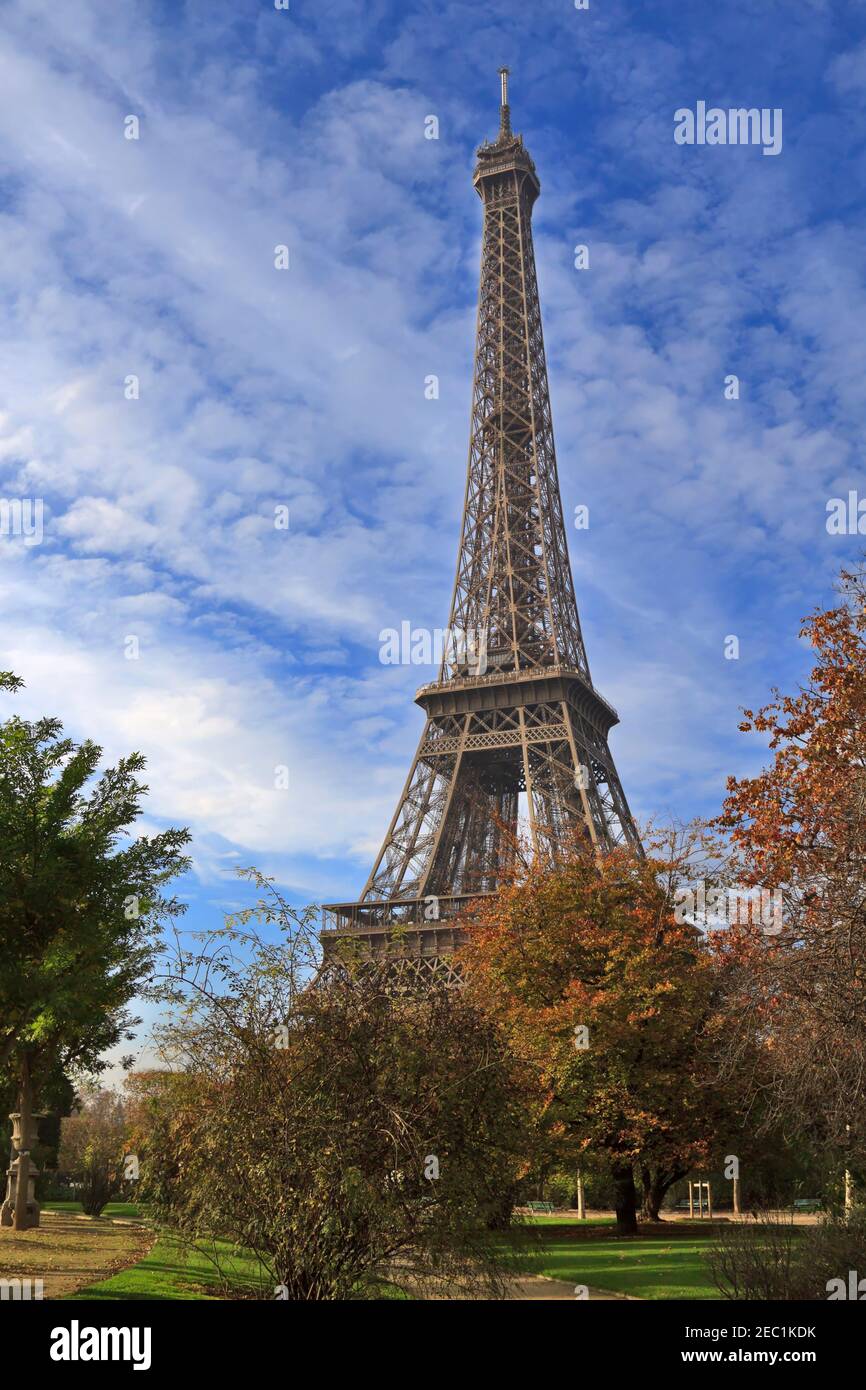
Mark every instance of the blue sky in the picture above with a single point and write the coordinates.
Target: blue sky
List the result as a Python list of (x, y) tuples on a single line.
[(304, 388)]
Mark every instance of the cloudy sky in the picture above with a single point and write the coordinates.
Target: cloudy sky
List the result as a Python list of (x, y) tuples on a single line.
[(259, 388)]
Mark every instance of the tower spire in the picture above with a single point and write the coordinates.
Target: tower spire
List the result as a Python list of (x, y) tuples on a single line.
[(504, 108)]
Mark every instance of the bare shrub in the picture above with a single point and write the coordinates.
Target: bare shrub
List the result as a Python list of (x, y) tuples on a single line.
[(772, 1260)]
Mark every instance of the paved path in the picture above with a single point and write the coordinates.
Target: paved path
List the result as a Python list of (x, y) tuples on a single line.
[(68, 1252)]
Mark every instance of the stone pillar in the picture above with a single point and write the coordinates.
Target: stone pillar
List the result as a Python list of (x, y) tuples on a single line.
[(21, 1143)]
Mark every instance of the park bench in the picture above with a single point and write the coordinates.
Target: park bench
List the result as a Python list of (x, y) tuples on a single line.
[(807, 1204), (546, 1207)]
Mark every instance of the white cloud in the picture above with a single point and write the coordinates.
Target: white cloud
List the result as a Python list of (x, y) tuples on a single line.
[(261, 388)]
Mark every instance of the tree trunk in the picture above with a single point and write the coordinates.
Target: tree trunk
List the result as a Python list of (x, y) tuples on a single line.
[(625, 1199), (653, 1197), (22, 1179), (655, 1183), (499, 1218)]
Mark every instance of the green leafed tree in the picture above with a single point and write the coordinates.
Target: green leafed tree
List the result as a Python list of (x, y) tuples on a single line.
[(82, 900)]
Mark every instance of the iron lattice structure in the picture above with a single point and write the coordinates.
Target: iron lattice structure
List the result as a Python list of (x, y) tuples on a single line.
[(513, 709)]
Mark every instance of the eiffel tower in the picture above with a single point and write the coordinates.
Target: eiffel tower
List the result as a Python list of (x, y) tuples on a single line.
[(513, 712)]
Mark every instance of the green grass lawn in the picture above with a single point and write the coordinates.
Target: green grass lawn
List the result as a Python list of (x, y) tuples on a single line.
[(170, 1272), (646, 1267), (125, 1209), (664, 1266), (545, 1220)]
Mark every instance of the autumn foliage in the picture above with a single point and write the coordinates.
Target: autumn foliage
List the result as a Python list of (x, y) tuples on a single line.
[(607, 1000), (800, 828)]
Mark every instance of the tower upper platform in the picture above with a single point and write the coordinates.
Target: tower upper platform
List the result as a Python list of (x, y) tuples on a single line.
[(506, 154)]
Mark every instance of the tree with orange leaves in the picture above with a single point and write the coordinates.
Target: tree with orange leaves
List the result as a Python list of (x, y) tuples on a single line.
[(607, 999), (799, 828)]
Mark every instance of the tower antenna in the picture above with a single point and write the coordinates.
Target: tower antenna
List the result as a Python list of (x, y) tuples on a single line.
[(504, 110)]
